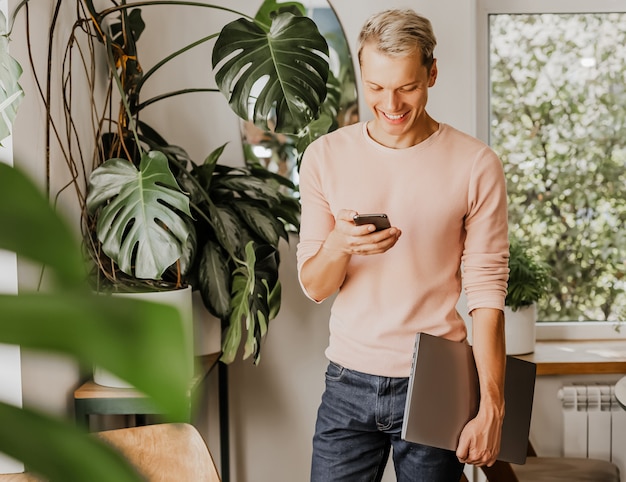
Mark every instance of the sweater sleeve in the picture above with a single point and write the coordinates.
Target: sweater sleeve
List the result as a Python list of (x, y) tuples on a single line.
[(317, 220), (486, 250)]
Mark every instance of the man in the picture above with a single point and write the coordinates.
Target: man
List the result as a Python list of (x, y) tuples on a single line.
[(444, 193)]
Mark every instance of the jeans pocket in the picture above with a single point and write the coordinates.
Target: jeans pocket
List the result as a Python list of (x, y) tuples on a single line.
[(334, 372)]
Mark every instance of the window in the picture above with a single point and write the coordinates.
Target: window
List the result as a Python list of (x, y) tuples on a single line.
[(556, 115)]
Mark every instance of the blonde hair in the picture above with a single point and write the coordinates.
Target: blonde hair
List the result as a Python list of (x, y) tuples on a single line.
[(399, 32)]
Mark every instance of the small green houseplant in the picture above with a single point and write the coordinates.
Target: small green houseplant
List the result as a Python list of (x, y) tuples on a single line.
[(153, 218), (530, 278), (529, 281)]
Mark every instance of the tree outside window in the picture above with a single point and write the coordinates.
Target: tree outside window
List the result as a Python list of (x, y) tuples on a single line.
[(558, 121)]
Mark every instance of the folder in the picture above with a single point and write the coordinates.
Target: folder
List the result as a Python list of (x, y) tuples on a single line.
[(444, 392)]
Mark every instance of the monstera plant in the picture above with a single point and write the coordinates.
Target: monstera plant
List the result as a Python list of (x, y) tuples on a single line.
[(154, 218)]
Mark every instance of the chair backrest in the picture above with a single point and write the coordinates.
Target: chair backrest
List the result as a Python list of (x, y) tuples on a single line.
[(165, 452)]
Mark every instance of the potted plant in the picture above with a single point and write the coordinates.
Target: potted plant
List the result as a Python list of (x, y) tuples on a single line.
[(529, 281), (152, 217)]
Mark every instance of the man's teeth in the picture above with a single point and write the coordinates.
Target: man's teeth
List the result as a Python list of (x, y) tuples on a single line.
[(394, 117)]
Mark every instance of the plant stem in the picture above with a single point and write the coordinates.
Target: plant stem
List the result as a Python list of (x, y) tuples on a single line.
[(171, 94), (147, 3), (170, 57)]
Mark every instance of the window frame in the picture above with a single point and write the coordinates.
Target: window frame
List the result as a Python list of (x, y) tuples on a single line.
[(581, 330)]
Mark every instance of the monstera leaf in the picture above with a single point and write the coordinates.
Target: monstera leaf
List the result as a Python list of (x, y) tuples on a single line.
[(142, 222), (291, 60), (256, 294)]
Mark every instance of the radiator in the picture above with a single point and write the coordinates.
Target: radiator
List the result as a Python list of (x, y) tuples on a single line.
[(594, 424)]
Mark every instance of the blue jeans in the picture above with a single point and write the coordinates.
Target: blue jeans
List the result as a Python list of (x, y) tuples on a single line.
[(359, 421)]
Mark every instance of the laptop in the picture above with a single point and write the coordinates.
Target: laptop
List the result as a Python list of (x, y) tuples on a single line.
[(443, 395)]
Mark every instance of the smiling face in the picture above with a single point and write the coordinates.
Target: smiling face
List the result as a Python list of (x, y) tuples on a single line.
[(396, 90)]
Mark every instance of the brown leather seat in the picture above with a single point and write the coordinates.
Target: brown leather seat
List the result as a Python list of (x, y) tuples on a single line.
[(165, 452), (161, 453)]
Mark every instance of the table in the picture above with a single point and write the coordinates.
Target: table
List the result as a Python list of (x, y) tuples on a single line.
[(93, 399), (578, 357)]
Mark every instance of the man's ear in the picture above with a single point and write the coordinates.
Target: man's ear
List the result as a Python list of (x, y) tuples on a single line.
[(432, 75)]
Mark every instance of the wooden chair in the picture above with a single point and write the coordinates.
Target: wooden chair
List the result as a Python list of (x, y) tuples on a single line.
[(161, 453), (165, 452), (553, 469)]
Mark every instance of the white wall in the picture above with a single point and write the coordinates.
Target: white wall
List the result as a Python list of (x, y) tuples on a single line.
[(272, 405), (48, 381)]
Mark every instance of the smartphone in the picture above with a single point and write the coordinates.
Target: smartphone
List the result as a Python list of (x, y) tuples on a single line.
[(381, 221)]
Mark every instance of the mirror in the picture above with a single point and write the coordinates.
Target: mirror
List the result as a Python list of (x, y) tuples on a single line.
[(278, 152)]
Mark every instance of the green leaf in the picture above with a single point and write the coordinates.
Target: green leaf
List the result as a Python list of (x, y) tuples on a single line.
[(204, 172), (139, 341), (226, 227), (11, 92), (142, 225), (265, 302), (530, 278), (241, 290), (257, 170), (261, 221), (315, 129), (255, 300), (133, 25), (59, 450), (291, 57), (274, 301), (269, 8), (214, 279), (289, 210), (250, 186), (26, 214)]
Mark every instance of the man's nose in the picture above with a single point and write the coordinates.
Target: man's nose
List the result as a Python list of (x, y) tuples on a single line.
[(392, 101)]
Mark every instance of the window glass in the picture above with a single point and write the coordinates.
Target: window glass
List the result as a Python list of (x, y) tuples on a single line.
[(558, 121)]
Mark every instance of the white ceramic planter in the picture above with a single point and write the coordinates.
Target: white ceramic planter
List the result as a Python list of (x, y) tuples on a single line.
[(520, 330), (182, 300), (207, 329)]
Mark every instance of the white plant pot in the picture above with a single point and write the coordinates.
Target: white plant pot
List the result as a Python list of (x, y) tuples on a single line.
[(180, 299), (207, 329), (520, 330), (105, 378)]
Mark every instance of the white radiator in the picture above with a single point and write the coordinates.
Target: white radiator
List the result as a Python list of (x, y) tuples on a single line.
[(594, 424)]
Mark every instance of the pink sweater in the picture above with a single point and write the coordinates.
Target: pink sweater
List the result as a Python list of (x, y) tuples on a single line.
[(448, 196)]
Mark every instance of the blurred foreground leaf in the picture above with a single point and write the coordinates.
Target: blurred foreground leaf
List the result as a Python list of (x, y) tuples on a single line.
[(139, 341)]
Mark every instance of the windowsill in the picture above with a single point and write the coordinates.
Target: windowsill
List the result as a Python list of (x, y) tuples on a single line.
[(581, 330), (578, 357)]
